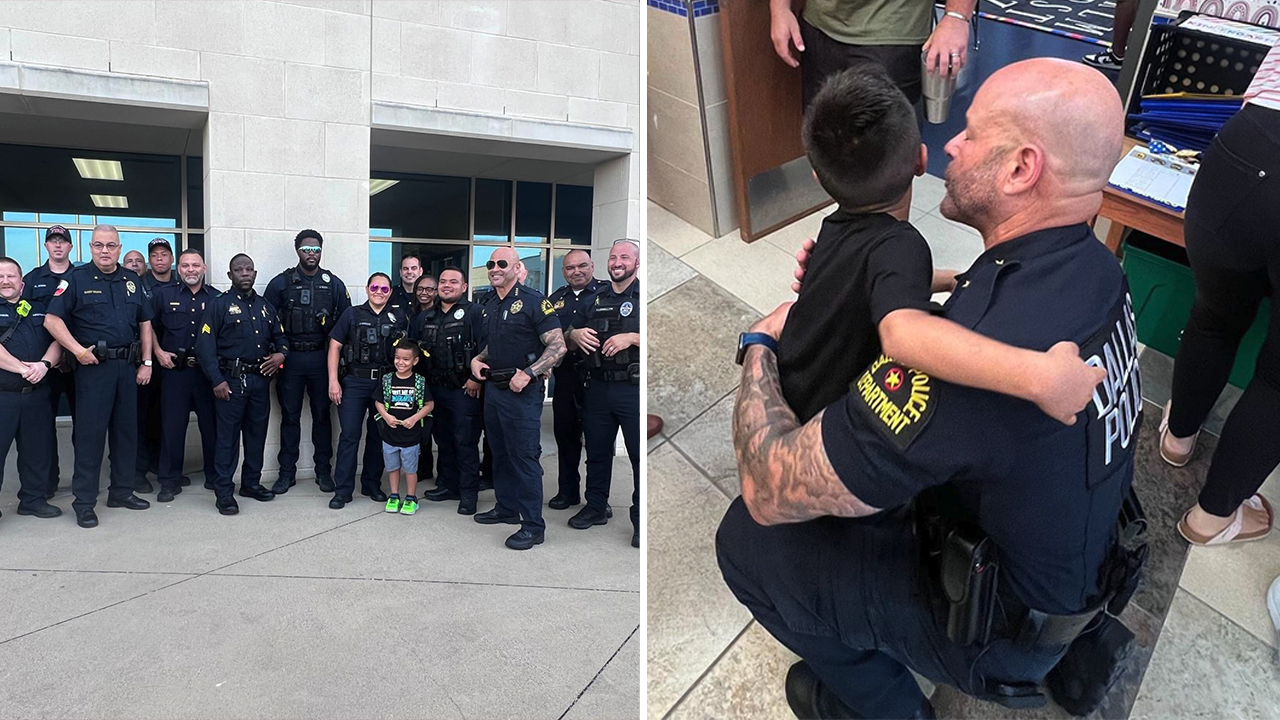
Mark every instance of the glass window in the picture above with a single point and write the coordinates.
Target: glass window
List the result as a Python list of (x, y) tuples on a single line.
[(195, 241), (573, 214), (493, 210), (535, 261), (533, 212), (195, 193), (435, 256), (46, 180), (24, 245), (420, 206), (380, 257)]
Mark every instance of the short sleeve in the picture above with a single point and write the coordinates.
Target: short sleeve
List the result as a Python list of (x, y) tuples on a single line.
[(64, 297), (342, 327), (341, 296), (899, 273), (426, 394), (147, 308), (274, 292)]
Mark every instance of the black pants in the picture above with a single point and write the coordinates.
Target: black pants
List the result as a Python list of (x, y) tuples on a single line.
[(607, 407), (60, 384), (513, 422), (1233, 241), (106, 410), (185, 390), (149, 425), (357, 415), (247, 413), (25, 417), (824, 57), (305, 372), (566, 405), (456, 422), (850, 598)]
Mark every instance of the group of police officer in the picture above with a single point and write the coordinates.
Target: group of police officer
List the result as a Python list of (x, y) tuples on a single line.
[(95, 332)]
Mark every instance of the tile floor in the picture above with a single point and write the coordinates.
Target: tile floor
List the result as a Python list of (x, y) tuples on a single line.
[(1206, 647)]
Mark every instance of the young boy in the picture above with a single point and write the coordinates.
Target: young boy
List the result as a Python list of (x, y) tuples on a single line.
[(870, 275), (403, 407)]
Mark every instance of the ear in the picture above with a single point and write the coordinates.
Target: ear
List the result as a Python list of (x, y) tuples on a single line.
[(1027, 164), (922, 162)]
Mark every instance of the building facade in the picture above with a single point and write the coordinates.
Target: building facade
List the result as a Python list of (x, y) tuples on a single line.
[(444, 127)]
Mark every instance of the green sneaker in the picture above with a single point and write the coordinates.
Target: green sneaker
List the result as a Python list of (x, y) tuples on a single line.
[(393, 504), (409, 506)]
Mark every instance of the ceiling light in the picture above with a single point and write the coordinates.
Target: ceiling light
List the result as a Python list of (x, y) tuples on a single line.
[(377, 185), (99, 169), (110, 201)]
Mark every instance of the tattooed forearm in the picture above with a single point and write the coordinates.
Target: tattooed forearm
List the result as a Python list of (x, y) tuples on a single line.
[(786, 476), (483, 354), (555, 349)]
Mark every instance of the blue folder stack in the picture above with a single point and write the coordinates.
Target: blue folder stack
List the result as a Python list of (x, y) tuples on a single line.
[(1184, 120)]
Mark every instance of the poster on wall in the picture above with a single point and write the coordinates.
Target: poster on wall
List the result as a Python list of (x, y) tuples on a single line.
[(1258, 12)]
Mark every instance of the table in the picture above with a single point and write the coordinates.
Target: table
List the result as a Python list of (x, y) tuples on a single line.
[(1129, 211)]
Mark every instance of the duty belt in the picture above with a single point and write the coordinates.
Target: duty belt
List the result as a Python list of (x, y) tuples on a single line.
[(241, 367), (113, 353), (610, 375), (23, 391), (306, 346), (366, 373)]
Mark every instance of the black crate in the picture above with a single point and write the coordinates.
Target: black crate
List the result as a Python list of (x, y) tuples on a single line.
[(1182, 60)]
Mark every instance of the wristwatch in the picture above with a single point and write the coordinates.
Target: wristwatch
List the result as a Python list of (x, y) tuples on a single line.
[(747, 339), (529, 372), (48, 365), (146, 363)]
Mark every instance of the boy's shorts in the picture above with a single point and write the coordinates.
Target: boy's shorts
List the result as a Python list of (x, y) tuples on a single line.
[(401, 458)]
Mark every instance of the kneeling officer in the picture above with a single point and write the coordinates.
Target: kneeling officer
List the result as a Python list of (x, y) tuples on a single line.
[(240, 347)]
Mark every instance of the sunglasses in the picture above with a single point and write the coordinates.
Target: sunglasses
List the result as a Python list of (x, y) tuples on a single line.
[(312, 249), (379, 288), (500, 263)]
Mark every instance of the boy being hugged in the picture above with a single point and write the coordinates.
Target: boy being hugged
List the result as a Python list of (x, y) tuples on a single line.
[(403, 408)]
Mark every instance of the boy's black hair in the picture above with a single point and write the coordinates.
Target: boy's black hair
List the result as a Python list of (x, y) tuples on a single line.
[(862, 138), (408, 344)]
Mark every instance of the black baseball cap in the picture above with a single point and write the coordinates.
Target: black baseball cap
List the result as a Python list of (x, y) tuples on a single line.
[(156, 242), (56, 230)]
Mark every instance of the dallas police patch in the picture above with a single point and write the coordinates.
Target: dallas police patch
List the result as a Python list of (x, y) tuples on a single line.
[(625, 310), (547, 309), (516, 306), (61, 287), (898, 399), (457, 314), (130, 287)]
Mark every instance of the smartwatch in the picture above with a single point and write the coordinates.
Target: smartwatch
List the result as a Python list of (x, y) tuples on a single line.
[(747, 339), (529, 372), (146, 363), (48, 365)]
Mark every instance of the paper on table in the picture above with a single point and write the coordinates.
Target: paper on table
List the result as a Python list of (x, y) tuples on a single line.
[(1223, 27), (1159, 178)]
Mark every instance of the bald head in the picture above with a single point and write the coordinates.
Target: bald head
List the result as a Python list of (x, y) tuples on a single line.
[(578, 269), (504, 277)]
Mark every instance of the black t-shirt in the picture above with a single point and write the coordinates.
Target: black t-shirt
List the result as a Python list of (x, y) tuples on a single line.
[(863, 268), (402, 404)]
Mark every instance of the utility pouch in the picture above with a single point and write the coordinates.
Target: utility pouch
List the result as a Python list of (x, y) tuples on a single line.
[(135, 353), (500, 378), (634, 370), (100, 350), (969, 576)]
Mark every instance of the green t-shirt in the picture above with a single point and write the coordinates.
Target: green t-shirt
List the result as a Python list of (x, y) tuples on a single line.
[(872, 22)]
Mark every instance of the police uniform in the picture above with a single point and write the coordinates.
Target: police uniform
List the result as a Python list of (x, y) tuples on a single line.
[(103, 311), (149, 415), (178, 317), (367, 338), (38, 288), (402, 301), (514, 326), (612, 397), (452, 338), (239, 331), (25, 414), (855, 599), (566, 400), (308, 306)]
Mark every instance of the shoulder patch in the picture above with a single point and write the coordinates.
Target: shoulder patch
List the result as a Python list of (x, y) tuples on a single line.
[(899, 400), (547, 309), (61, 287)]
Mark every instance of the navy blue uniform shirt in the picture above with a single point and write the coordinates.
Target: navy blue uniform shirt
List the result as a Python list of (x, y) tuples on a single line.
[(28, 342), (101, 306), (150, 282), (178, 314), (1048, 495), (344, 330), (39, 284), (341, 300), (568, 305), (238, 326), (515, 325)]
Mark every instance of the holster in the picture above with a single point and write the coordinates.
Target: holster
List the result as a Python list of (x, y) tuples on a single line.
[(499, 378), (969, 575)]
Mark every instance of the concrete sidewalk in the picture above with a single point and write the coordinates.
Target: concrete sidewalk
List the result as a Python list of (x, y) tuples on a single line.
[(293, 610)]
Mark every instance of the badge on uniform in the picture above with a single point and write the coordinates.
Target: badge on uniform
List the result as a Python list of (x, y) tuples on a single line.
[(128, 285), (391, 317), (625, 310), (559, 304), (234, 310), (457, 314), (324, 276), (899, 399), (515, 307), (546, 308), (61, 286)]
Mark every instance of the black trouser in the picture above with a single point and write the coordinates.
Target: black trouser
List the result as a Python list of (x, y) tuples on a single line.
[(309, 372), (513, 422), (824, 57), (356, 414), (1233, 214), (185, 389), (25, 417), (566, 404), (456, 423), (149, 425), (607, 407), (60, 384), (248, 412), (106, 408), (850, 598)]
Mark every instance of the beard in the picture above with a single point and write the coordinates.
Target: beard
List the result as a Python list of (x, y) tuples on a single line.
[(971, 195)]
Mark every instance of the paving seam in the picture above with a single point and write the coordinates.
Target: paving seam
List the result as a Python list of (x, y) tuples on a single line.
[(433, 582), (703, 675), (598, 672)]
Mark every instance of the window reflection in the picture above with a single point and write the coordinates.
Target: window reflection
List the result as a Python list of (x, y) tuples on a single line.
[(533, 212), (573, 214), (493, 210)]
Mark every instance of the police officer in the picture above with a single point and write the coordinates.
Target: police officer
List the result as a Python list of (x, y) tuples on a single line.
[(309, 300), (404, 299), (566, 403), (99, 316), (38, 288), (160, 252), (27, 355), (240, 347), (425, 291), (160, 259), (1017, 513), (178, 316), (451, 332), (609, 332), (358, 356), (523, 341)]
